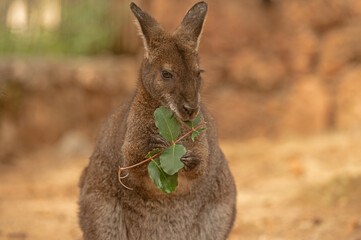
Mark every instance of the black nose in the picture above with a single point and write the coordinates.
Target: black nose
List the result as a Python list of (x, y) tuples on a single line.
[(191, 111)]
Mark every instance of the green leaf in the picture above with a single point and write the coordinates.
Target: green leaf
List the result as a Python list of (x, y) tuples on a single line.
[(166, 183), (170, 159), (195, 133), (167, 125), (194, 123), (152, 153)]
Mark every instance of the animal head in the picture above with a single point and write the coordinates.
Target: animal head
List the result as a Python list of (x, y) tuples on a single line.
[(170, 70)]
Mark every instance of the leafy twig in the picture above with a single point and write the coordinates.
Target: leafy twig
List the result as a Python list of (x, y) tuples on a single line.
[(121, 169)]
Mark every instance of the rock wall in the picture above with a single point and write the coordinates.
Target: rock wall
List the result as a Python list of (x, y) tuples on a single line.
[(43, 99), (282, 67), (272, 68)]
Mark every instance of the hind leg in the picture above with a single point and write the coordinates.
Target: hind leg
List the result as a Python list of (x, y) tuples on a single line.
[(215, 222), (100, 218)]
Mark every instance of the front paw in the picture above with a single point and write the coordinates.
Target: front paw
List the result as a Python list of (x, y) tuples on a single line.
[(157, 141), (190, 160)]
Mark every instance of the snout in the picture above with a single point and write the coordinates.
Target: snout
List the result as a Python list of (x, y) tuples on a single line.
[(189, 111)]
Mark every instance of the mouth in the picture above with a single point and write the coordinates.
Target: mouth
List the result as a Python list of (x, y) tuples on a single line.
[(184, 113), (189, 114)]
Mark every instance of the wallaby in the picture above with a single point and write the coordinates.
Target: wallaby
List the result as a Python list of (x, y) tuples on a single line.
[(203, 204)]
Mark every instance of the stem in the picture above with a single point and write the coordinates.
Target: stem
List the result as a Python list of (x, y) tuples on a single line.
[(121, 169)]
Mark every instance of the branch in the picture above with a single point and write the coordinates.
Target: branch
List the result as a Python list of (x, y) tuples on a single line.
[(121, 169)]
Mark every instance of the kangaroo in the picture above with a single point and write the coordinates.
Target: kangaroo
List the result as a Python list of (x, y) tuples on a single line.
[(203, 204)]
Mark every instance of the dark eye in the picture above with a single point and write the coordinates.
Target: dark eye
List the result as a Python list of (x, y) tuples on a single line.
[(166, 75)]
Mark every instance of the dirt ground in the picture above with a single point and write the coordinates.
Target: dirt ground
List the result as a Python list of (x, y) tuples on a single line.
[(291, 188)]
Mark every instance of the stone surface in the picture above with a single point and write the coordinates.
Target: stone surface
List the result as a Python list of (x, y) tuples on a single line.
[(307, 108), (348, 100), (340, 48), (283, 67)]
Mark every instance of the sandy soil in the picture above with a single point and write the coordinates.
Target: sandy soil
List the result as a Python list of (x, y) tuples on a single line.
[(291, 188)]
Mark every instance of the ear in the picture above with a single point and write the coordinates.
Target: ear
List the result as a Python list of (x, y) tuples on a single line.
[(148, 27), (190, 29)]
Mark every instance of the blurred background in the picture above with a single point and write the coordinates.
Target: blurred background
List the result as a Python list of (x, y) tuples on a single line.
[(283, 81)]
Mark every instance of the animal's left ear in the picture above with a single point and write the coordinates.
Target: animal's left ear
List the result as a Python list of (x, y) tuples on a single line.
[(190, 29)]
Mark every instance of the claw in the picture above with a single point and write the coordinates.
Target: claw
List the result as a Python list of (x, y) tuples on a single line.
[(158, 142), (190, 161)]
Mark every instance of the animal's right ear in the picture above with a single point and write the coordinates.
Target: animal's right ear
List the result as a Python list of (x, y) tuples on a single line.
[(148, 27), (191, 27)]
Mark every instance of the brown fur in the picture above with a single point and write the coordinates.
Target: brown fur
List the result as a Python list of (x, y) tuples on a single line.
[(203, 205)]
